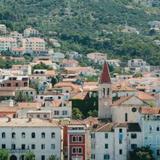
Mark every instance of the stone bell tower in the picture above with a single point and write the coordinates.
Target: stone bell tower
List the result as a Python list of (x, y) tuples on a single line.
[(104, 94)]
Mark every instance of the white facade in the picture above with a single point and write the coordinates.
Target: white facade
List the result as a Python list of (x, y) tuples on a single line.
[(151, 133), (114, 141), (30, 32), (3, 29), (7, 43), (128, 111), (33, 44), (21, 135)]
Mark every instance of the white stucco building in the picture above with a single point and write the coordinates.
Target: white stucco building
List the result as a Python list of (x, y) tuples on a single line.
[(42, 137)]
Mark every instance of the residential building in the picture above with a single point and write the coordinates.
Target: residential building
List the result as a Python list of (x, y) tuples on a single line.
[(96, 57), (33, 44), (30, 32), (7, 43), (3, 29), (75, 142), (14, 81), (42, 137)]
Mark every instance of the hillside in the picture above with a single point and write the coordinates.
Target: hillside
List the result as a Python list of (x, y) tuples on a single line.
[(88, 25)]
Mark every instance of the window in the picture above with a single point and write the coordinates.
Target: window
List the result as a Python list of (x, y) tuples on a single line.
[(92, 135), (13, 146), (133, 146), (106, 146), (33, 146), (106, 156), (92, 156), (120, 130), (56, 112), (77, 150), (126, 117), (158, 152), (120, 151), (23, 146), (3, 146), (38, 116), (120, 141), (42, 157), (134, 109), (59, 97), (45, 116), (42, 146), (43, 135), (52, 135), (104, 92), (157, 128), (107, 91), (64, 112), (33, 135), (106, 135), (23, 135), (3, 135), (13, 135), (52, 146), (133, 135), (77, 139)]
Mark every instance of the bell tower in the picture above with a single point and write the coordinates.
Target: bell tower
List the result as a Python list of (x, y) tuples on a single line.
[(104, 94)]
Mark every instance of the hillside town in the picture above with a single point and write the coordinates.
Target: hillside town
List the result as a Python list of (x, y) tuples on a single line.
[(70, 106)]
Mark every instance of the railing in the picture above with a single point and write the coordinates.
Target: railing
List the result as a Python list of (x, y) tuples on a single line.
[(18, 150)]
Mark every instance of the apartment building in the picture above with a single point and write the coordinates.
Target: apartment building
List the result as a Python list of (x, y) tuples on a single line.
[(7, 43), (33, 44), (14, 81), (43, 137), (30, 32), (75, 142)]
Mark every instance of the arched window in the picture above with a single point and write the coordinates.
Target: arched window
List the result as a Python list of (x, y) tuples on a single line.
[(3, 135), (52, 135), (43, 135), (13, 135), (23, 135), (33, 135)]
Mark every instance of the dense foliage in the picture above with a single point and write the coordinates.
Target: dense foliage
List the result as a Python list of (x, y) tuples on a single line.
[(143, 153), (88, 25)]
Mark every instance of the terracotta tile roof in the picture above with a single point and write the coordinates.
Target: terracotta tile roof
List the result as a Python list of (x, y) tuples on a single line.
[(122, 87), (80, 96), (15, 122), (150, 110), (105, 76), (121, 100), (145, 96), (106, 128)]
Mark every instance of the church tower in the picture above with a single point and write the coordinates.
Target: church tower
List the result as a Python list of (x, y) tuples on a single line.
[(104, 94)]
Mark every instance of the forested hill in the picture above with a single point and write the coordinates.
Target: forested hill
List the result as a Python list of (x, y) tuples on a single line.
[(89, 25)]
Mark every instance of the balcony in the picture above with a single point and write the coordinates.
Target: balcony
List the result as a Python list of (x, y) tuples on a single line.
[(20, 151)]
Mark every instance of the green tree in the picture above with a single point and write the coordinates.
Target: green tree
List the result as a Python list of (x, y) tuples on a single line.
[(41, 66), (52, 157), (4, 154), (22, 97), (29, 156), (93, 113), (76, 113), (143, 153)]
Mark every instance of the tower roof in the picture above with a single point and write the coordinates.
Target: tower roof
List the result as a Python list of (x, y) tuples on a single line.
[(105, 76)]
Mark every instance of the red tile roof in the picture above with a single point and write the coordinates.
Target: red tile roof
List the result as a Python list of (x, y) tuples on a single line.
[(105, 76)]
